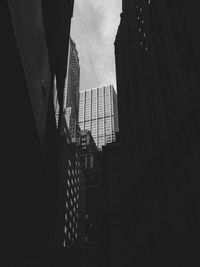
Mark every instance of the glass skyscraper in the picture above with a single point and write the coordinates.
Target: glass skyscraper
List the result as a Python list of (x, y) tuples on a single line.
[(71, 91), (98, 113)]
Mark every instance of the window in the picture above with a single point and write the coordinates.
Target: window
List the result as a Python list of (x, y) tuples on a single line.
[(81, 125), (72, 192), (91, 161), (87, 125)]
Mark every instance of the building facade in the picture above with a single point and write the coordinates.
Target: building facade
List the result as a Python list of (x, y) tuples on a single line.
[(71, 91), (112, 165), (71, 195), (157, 67), (33, 155), (98, 113), (36, 40), (95, 245)]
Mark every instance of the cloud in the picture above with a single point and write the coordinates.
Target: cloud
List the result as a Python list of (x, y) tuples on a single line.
[(94, 27)]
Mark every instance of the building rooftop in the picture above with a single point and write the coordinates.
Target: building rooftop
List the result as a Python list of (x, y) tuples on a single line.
[(101, 86)]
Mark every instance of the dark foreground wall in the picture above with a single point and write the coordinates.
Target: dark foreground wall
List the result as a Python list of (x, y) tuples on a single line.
[(29, 140), (157, 63)]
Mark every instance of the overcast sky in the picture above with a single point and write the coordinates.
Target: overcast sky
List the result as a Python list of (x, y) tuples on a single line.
[(94, 27)]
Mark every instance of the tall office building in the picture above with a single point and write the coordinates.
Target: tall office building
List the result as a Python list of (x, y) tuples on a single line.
[(157, 66), (43, 28), (71, 91), (95, 245), (111, 166), (98, 113), (71, 195)]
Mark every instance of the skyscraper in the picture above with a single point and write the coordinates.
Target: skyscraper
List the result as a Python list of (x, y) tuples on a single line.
[(71, 199), (98, 113), (95, 219), (111, 166), (71, 90), (157, 66), (41, 27)]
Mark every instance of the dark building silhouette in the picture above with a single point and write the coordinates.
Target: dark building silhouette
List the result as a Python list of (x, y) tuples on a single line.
[(111, 165), (71, 195), (95, 220), (33, 51), (157, 66)]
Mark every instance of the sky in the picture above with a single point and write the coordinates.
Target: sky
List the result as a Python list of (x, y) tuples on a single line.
[(93, 28)]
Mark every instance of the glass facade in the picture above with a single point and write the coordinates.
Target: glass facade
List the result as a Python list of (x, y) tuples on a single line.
[(71, 90), (98, 113)]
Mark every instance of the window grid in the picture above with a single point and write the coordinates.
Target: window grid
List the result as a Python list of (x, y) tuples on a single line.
[(97, 109)]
